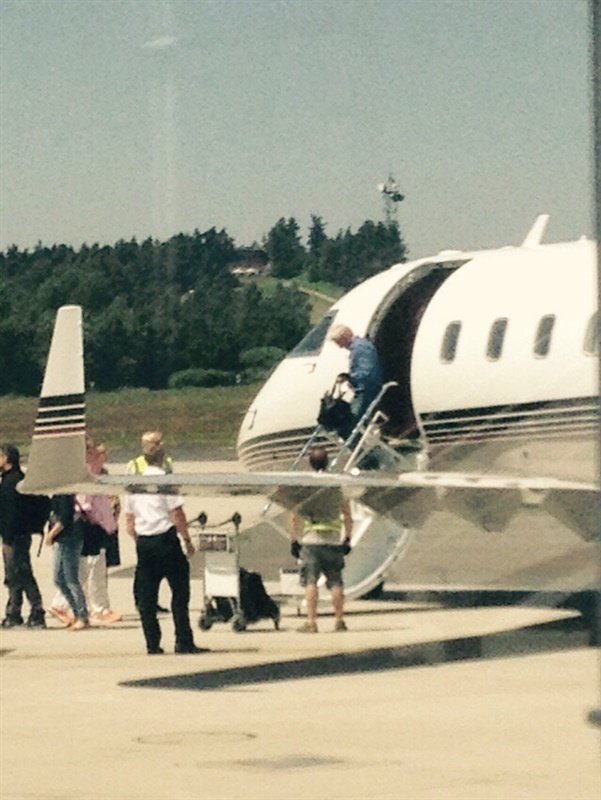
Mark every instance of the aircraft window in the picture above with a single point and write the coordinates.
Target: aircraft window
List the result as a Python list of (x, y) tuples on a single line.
[(449, 342), (311, 344), (496, 338), (591, 337), (542, 343)]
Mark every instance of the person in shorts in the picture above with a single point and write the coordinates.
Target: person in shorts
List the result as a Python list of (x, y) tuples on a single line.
[(321, 545)]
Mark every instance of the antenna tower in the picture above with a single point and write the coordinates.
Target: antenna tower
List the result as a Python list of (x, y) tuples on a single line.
[(392, 197)]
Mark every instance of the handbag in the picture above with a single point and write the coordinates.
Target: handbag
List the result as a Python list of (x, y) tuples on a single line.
[(335, 413), (113, 556)]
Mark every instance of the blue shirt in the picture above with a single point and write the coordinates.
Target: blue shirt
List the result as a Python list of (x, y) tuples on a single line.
[(365, 370)]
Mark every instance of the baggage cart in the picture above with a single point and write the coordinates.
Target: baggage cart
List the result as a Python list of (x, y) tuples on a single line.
[(231, 594)]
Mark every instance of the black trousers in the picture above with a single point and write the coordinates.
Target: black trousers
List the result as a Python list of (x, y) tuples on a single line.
[(19, 580), (161, 557)]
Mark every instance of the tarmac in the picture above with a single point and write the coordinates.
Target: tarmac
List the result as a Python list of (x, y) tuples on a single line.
[(416, 701)]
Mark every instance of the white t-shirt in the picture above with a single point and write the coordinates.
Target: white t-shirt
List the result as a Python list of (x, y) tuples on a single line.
[(152, 511)]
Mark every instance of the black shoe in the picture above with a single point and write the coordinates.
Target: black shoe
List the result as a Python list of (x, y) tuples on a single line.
[(190, 649), (12, 622), (155, 651), (36, 622)]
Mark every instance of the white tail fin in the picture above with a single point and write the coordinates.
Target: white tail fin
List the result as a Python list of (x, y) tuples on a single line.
[(58, 449), (535, 234)]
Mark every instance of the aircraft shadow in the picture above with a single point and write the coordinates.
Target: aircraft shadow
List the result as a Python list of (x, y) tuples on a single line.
[(548, 637)]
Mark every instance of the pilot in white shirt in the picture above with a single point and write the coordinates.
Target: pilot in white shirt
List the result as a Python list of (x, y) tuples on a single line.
[(154, 521)]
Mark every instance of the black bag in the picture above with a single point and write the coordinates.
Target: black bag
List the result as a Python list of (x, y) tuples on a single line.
[(36, 512), (335, 414), (93, 537), (256, 604), (113, 555)]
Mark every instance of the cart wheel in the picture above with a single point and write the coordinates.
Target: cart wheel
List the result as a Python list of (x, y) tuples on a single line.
[(238, 623), (205, 623)]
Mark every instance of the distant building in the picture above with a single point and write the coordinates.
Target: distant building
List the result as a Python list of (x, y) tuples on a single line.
[(249, 263)]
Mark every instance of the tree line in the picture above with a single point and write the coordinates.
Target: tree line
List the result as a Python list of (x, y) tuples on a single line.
[(345, 259), (171, 313)]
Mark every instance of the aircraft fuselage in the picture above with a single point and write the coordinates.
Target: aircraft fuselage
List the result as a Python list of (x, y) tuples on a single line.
[(496, 358)]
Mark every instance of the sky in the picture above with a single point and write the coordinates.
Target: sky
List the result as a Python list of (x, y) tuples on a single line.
[(123, 118)]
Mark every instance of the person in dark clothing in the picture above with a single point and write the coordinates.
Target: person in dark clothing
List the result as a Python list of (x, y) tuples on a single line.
[(67, 538), (16, 543)]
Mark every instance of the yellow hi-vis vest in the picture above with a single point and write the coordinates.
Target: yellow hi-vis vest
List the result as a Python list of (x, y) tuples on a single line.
[(323, 532), (138, 465)]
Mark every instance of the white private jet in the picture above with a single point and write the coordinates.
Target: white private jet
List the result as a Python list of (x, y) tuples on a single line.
[(492, 420)]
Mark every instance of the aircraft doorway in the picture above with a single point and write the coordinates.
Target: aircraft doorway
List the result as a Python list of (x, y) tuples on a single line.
[(393, 331)]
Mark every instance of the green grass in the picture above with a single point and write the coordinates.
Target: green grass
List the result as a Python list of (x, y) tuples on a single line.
[(321, 295), (319, 306), (191, 419), (329, 289)]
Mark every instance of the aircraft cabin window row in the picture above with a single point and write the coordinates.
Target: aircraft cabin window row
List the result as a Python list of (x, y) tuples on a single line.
[(498, 330)]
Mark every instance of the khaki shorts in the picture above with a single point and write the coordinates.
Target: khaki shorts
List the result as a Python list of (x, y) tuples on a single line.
[(318, 559)]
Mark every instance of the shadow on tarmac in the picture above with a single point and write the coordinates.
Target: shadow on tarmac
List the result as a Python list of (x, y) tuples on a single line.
[(549, 637)]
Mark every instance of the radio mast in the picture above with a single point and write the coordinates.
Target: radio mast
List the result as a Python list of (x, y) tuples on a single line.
[(392, 197)]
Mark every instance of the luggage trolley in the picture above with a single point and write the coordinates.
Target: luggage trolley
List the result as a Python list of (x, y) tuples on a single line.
[(221, 573), (230, 593)]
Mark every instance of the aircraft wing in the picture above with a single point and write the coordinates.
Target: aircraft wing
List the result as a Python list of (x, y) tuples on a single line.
[(488, 501), (263, 482)]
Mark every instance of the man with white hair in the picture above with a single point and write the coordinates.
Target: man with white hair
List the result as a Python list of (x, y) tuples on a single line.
[(365, 371)]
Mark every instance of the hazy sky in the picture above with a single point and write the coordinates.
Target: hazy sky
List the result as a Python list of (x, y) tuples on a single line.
[(124, 118)]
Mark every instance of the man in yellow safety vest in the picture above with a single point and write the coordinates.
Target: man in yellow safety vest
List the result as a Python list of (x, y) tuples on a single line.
[(152, 445), (321, 544)]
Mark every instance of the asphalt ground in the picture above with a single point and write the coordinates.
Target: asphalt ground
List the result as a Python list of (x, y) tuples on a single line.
[(419, 700)]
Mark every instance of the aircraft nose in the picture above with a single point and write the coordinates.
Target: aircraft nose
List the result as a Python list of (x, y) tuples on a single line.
[(280, 418)]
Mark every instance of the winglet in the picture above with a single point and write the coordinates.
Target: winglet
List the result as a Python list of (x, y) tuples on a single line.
[(58, 451), (535, 234)]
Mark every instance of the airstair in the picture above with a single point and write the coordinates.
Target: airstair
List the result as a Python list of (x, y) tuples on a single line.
[(377, 542)]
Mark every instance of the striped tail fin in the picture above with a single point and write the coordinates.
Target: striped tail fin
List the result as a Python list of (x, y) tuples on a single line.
[(57, 458)]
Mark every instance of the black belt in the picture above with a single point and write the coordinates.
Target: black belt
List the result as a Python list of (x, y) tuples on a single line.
[(171, 532)]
